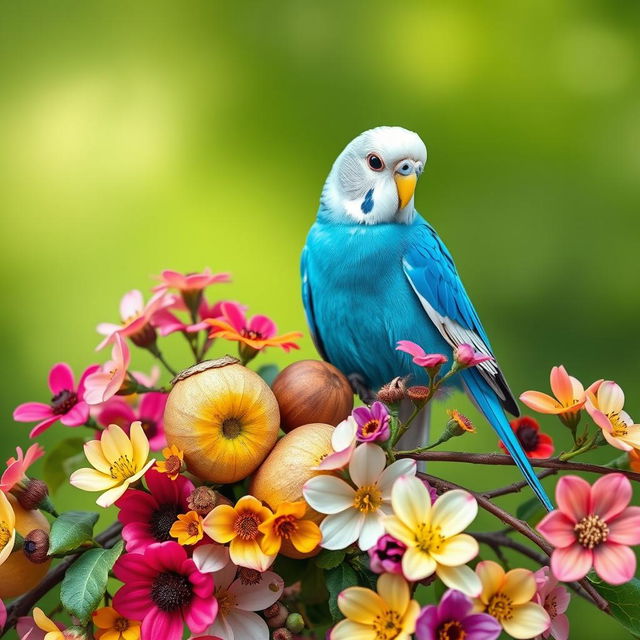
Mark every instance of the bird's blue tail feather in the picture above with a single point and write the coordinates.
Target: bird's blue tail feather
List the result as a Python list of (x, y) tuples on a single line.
[(489, 405)]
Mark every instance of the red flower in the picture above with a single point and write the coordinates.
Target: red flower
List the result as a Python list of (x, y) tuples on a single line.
[(535, 443)]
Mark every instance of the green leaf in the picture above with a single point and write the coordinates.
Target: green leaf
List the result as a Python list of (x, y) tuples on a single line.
[(313, 587), (623, 599), (61, 461), (290, 570), (268, 372), (70, 530), (338, 579), (85, 582), (329, 559)]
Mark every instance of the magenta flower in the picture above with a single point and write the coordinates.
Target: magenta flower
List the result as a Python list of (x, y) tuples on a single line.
[(554, 598), (148, 517), (433, 494), (467, 356), (453, 618), (164, 590), (593, 526), (105, 383), (136, 319), (373, 423), (189, 281), (16, 469), (386, 555), (67, 404), (149, 412), (420, 357)]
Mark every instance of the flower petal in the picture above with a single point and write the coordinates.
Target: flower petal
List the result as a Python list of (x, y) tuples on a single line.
[(394, 591), (395, 527), (246, 624), (218, 524), (527, 621), (61, 378), (540, 402), (411, 501), (139, 444), (610, 495), (614, 563), (360, 604), (561, 385), (247, 553), (610, 397), (32, 411), (453, 512), (519, 585), (110, 496), (625, 528), (491, 575), (481, 626), (347, 630), (255, 597), (93, 452), (115, 443), (417, 565), (367, 464), (571, 563), (557, 529), (339, 530), (461, 578), (210, 557), (573, 497), (372, 529), (91, 480), (404, 467), (456, 550), (328, 494)]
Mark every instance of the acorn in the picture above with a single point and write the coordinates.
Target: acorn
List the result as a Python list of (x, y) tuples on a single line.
[(311, 391)]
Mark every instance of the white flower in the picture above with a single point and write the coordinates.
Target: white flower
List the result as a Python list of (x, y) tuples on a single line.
[(343, 441), (356, 513), (238, 597)]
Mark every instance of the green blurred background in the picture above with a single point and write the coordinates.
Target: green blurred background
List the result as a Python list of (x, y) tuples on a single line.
[(142, 136)]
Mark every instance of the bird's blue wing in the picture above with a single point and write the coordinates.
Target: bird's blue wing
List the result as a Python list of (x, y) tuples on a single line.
[(432, 274), (307, 301)]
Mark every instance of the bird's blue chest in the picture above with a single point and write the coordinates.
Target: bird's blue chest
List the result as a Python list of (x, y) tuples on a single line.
[(362, 301)]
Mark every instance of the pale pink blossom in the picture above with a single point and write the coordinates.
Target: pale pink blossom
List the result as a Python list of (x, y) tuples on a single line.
[(105, 383), (189, 281), (420, 357), (467, 356), (554, 598), (343, 442), (16, 470)]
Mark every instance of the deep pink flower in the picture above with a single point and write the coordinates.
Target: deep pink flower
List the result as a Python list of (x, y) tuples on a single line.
[(167, 322), (373, 423), (420, 357), (67, 404), (433, 494), (386, 555), (17, 467), (149, 412), (105, 383), (534, 442), (148, 517), (467, 356), (189, 281), (136, 318), (554, 598), (164, 590), (593, 526), (453, 617)]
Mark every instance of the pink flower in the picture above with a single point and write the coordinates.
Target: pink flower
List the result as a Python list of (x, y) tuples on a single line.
[(373, 423), (164, 590), (105, 383), (67, 404), (467, 356), (17, 468), (593, 526), (386, 555), (190, 281), (149, 412), (554, 598), (167, 322), (343, 442), (136, 319), (148, 516), (422, 359)]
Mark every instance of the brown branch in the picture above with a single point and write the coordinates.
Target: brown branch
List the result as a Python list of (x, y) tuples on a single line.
[(516, 486), (24, 603), (497, 459), (518, 525)]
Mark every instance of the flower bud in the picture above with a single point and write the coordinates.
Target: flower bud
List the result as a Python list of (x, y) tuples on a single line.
[(35, 492), (276, 615), (393, 392), (282, 634), (418, 394), (36, 546), (458, 425), (202, 500), (144, 338), (295, 623)]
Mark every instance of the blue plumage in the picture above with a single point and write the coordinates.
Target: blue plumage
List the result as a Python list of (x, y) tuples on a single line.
[(366, 286)]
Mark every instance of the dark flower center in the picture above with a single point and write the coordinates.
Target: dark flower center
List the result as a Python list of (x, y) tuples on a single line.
[(451, 630), (392, 551), (528, 437), (150, 427), (252, 335), (246, 525), (162, 520), (121, 624), (369, 428), (231, 428), (284, 526), (173, 465), (171, 590), (64, 401), (249, 576)]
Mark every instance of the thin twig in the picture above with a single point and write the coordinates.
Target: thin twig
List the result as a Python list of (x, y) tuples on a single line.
[(24, 603), (497, 459), (516, 486)]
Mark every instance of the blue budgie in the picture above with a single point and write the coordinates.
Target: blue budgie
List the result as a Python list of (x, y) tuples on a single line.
[(375, 272)]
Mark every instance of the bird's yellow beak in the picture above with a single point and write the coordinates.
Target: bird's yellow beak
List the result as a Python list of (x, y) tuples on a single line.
[(406, 186)]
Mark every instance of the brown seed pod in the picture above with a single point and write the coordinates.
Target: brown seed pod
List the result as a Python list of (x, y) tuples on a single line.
[(312, 391)]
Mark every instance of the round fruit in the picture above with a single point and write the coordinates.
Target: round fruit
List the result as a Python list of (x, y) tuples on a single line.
[(291, 463), (17, 573), (312, 391), (224, 418)]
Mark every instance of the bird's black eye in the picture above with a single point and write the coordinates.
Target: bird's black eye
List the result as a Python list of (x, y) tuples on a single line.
[(375, 162)]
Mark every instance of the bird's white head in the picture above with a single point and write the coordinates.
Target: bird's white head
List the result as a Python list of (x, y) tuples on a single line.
[(373, 180)]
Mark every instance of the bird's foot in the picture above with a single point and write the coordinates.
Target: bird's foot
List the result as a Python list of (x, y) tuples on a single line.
[(361, 389)]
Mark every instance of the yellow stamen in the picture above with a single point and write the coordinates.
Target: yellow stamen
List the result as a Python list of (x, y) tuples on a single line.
[(5, 534), (428, 538), (618, 424), (226, 602), (451, 630), (500, 607), (122, 468), (368, 498), (591, 531), (387, 625)]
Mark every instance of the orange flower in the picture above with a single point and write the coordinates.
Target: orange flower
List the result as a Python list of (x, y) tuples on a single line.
[(172, 464), (239, 526), (112, 626), (287, 523), (253, 334), (461, 420), (634, 460), (187, 528)]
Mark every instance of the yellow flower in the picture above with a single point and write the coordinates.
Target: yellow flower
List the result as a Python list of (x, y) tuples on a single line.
[(433, 535), (239, 525), (118, 461), (7, 527), (507, 597), (287, 524), (187, 528), (112, 626), (389, 614), (45, 624), (172, 464)]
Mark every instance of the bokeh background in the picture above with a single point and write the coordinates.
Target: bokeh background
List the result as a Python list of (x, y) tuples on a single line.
[(141, 136)]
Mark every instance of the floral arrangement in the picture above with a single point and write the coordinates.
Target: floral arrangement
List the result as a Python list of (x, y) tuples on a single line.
[(258, 504)]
